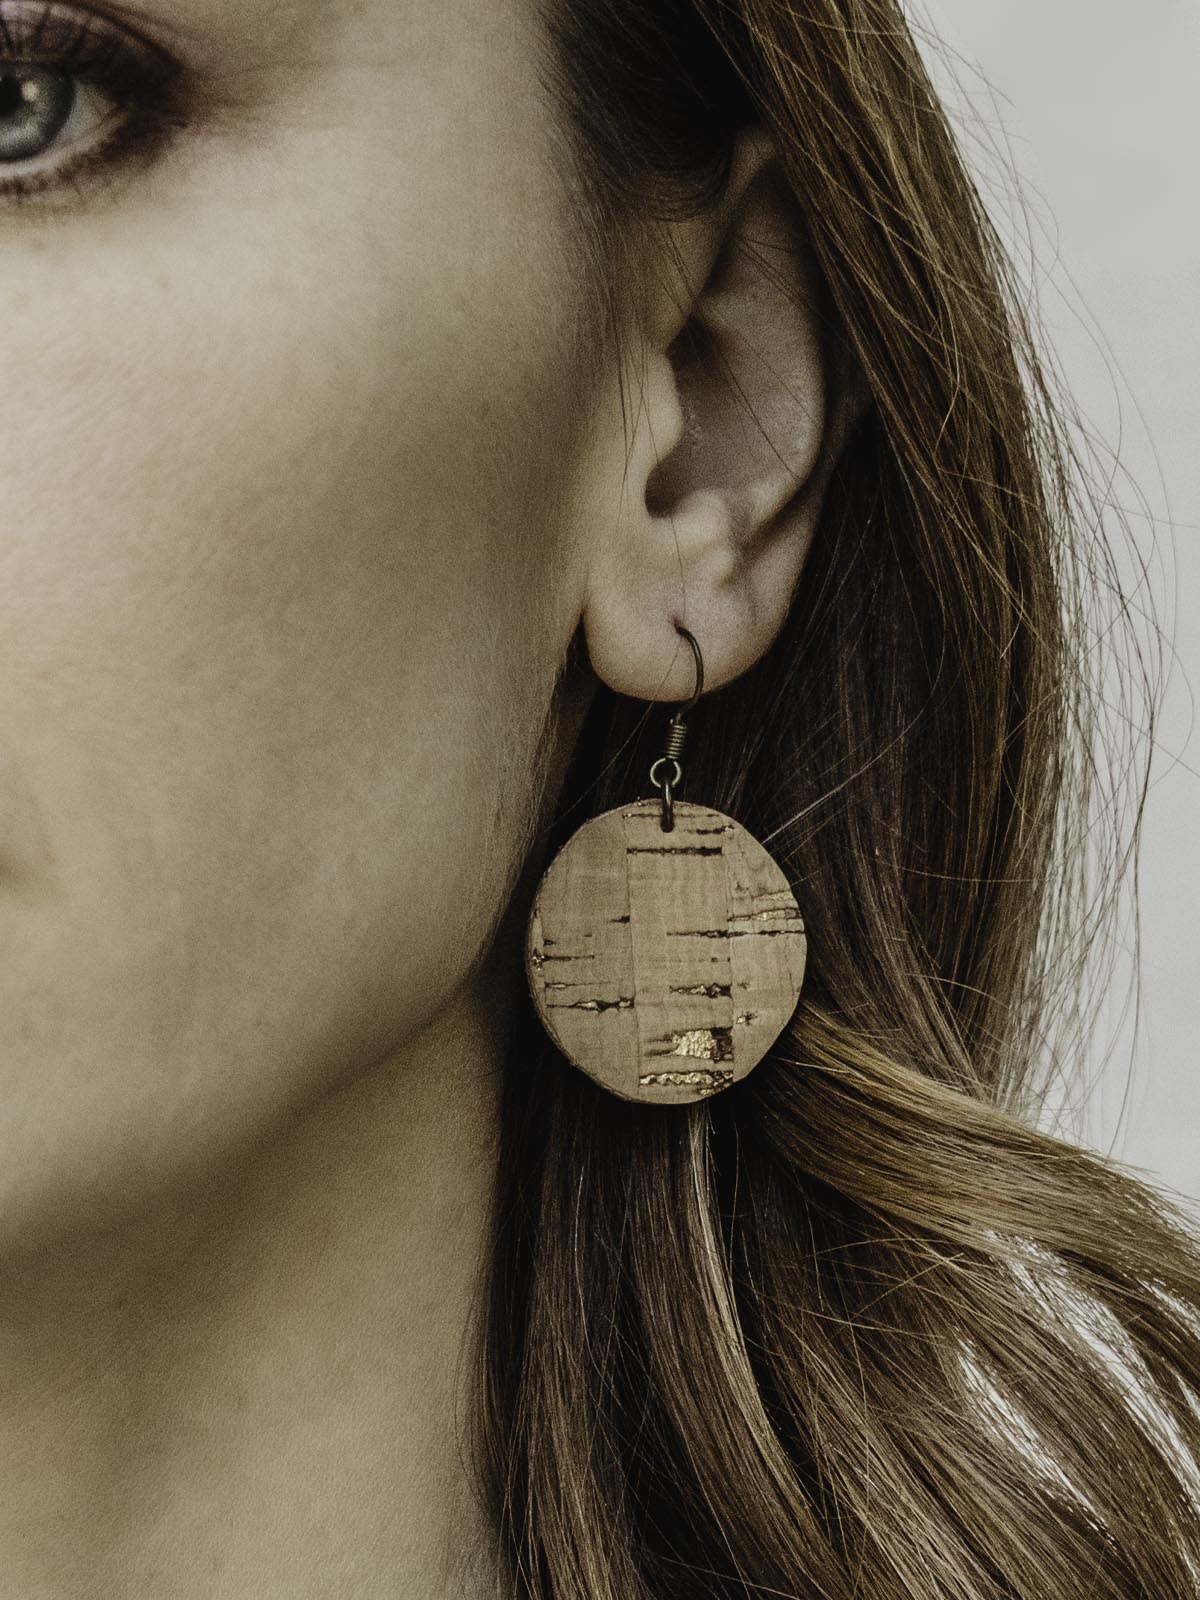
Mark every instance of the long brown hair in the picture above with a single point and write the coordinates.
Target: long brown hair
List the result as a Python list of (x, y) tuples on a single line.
[(855, 1327)]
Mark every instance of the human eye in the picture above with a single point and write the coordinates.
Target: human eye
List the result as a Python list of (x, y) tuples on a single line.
[(81, 98)]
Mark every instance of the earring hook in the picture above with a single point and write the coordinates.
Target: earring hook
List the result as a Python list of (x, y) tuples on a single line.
[(699, 689), (676, 733)]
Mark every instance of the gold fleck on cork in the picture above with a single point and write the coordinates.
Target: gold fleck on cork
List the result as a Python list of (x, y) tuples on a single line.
[(703, 1042)]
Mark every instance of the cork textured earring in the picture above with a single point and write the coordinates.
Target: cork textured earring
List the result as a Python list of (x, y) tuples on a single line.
[(665, 951)]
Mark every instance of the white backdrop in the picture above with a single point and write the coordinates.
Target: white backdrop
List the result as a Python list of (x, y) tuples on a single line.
[(1098, 102)]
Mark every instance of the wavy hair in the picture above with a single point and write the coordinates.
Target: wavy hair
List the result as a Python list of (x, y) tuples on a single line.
[(856, 1327)]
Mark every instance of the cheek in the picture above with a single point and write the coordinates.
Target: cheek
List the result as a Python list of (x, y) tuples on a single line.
[(276, 637)]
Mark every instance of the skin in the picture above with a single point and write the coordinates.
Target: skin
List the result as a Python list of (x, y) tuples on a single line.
[(307, 494)]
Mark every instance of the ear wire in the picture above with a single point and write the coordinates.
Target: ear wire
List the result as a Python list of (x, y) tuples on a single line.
[(676, 734)]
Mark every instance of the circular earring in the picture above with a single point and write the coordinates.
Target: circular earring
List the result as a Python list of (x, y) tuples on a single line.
[(665, 950)]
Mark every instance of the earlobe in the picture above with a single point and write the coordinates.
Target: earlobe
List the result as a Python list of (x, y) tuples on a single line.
[(730, 448)]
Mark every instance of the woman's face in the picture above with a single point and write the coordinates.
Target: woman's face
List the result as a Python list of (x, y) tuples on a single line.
[(285, 571)]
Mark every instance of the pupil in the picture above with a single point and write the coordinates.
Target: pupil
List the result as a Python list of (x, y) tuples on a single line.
[(35, 102)]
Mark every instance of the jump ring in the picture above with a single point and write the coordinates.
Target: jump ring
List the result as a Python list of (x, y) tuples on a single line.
[(676, 780)]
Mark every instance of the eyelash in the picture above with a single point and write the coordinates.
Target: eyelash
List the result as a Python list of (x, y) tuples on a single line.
[(137, 75)]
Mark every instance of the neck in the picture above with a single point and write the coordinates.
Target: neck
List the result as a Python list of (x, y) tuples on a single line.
[(262, 1390)]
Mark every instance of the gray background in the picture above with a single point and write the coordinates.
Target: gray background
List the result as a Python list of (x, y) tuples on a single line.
[(1096, 105)]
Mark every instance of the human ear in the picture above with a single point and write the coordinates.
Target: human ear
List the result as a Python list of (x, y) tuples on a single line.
[(739, 412)]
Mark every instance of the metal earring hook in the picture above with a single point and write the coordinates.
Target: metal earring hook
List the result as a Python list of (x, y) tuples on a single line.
[(676, 734), (699, 689)]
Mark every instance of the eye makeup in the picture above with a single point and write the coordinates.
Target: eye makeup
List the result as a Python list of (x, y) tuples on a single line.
[(46, 52)]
